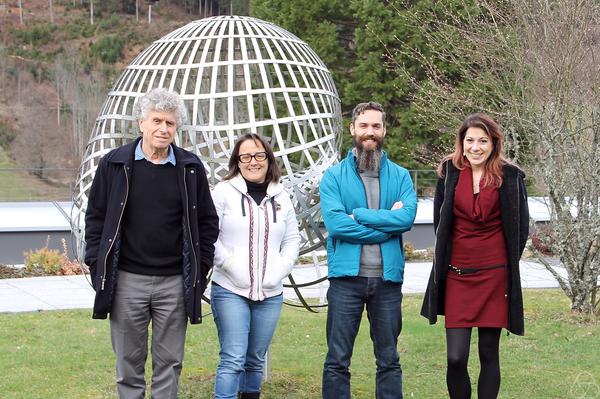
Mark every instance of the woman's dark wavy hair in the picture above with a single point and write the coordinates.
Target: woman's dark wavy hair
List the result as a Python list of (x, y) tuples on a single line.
[(273, 172), (492, 174)]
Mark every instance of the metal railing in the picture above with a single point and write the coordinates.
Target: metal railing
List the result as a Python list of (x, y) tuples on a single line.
[(424, 181), (57, 184)]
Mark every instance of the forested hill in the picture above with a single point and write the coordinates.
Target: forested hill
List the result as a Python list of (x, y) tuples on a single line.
[(58, 59), (56, 65)]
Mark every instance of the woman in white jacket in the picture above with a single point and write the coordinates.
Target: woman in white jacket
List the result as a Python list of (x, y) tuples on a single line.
[(257, 246)]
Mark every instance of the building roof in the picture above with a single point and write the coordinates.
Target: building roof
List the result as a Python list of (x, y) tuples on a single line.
[(34, 216), (538, 210), (47, 216)]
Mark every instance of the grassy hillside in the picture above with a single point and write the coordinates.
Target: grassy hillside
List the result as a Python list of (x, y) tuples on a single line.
[(44, 36), (55, 70), (20, 185)]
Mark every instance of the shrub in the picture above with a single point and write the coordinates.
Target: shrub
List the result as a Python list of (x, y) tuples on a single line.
[(70, 267), (109, 23), (43, 261), (409, 250), (37, 35), (411, 253), (108, 49), (80, 28), (31, 53), (10, 272), (46, 261), (7, 135), (542, 239)]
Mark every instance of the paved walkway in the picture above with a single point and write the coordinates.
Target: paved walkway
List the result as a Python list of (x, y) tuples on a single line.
[(74, 292)]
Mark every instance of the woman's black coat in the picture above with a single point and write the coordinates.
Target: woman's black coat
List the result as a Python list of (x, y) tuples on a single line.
[(515, 224)]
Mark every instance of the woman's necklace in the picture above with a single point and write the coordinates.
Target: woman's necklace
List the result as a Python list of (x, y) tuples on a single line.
[(476, 179)]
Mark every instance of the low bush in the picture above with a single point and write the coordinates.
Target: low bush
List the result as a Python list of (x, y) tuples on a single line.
[(411, 253), (7, 135), (36, 36), (43, 261), (542, 239), (46, 261), (10, 272), (108, 49), (107, 24), (80, 28)]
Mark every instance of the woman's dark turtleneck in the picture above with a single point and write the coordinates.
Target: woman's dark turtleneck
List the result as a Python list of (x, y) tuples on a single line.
[(258, 191)]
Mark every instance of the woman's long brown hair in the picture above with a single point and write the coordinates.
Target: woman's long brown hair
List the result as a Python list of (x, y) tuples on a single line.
[(492, 174)]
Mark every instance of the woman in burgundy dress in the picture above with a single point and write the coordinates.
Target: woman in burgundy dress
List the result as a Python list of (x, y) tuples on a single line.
[(481, 224)]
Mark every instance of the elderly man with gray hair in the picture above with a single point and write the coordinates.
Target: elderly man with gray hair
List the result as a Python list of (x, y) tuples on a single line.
[(150, 229)]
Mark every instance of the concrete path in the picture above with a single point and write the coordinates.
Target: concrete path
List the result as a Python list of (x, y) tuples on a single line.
[(74, 292)]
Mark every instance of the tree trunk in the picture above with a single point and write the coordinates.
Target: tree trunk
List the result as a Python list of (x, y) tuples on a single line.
[(57, 107), (51, 11), (18, 87), (21, 11), (581, 300), (91, 12)]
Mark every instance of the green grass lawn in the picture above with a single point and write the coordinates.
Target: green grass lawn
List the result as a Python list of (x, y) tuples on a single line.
[(65, 354), (19, 185)]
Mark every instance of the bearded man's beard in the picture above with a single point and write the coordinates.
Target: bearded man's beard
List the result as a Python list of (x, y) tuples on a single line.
[(368, 160)]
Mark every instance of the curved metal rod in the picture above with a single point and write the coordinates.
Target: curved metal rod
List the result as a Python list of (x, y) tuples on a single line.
[(310, 308), (305, 284)]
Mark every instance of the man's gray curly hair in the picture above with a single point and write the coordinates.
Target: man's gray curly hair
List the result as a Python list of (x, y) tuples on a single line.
[(161, 100)]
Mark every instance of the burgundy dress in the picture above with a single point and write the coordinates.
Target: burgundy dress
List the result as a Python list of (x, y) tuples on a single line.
[(477, 299)]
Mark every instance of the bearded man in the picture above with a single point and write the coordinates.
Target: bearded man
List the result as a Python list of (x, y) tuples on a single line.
[(367, 202)]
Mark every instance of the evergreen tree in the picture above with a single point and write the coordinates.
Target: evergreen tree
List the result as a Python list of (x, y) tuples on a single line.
[(370, 47)]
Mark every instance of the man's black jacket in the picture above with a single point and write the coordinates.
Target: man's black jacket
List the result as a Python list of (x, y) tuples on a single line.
[(103, 222)]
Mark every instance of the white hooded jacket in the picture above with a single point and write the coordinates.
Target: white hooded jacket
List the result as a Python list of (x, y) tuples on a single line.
[(258, 243)]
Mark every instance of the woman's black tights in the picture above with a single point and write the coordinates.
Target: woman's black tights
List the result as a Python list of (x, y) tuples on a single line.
[(458, 342)]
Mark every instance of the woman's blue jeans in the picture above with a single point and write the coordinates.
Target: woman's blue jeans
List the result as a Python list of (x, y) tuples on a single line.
[(347, 297), (245, 330)]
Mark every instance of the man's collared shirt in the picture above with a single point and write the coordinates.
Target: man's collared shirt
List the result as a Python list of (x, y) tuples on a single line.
[(139, 154)]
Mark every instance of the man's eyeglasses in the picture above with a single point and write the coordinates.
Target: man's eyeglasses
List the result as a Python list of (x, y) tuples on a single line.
[(246, 158)]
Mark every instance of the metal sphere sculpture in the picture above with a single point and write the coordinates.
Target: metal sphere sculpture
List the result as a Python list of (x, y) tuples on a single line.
[(235, 75)]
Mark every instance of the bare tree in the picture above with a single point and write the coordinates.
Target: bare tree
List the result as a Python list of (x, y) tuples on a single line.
[(91, 12), (561, 48), (38, 145), (53, 117), (3, 65), (82, 97), (51, 11), (21, 11), (533, 64)]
